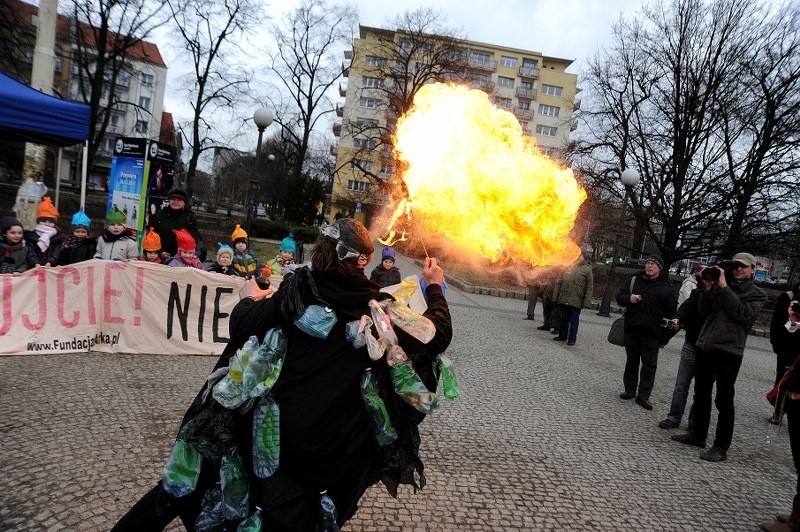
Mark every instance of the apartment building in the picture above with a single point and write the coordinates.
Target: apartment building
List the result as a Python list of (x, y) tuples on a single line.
[(137, 104), (385, 68)]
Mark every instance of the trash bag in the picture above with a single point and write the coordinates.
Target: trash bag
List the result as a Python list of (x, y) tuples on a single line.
[(211, 518), (266, 438), (235, 500), (317, 321)]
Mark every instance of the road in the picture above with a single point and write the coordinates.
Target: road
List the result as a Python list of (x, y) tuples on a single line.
[(538, 440)]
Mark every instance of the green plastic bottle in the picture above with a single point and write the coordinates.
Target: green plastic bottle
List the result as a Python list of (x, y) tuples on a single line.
[(448, 376), (252, 523), (266, 437), (384, 431)]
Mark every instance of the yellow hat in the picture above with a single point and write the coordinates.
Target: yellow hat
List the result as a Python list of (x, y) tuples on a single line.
[(46, 209), (238, 233), (151, 242)]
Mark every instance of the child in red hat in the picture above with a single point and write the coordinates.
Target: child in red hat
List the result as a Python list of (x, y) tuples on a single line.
[(185, 257)]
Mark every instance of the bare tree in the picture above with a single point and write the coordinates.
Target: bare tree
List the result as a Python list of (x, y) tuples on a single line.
[(209, 32), (106, 34), (684, 96)]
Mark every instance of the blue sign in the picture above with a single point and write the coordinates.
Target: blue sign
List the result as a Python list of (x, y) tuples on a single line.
[(761, 275)]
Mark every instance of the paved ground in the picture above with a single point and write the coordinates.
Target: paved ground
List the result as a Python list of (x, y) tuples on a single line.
[(538, 440)]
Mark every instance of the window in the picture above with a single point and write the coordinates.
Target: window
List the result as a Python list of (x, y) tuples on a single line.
[(361, 164), (547, 131), (508, 61), (385, 167), (141, 127), (549, 110), (144, 102), (503, 81), (524, 105), (529, 63), (147, 80), (369, 103), (503, 102), (552, 90), (364, 144), (108, 145), (366, 122), (359, 186), (372, 60), (405, 45), (481, 58), (527, 85), (372, 83), (548, 152)]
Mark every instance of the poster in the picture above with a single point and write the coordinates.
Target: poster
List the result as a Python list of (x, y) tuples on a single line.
[(160, 169), (127, 183)]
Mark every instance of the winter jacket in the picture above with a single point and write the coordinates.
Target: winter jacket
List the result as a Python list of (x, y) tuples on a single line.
[(244, 263), (15, 258), (74, 249), (51, 254), (688, 284), (116, 247), (383, 277), (658, 302), (576, 287), (177, 262), (729, 313), (226, 270), (168, 219), (783, 342), (689, 317)]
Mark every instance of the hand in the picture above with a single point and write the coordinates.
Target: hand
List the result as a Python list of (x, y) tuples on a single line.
[(635, 298), (432, 273), (675, 324), (721, 282), (164, 256), (252, 290)]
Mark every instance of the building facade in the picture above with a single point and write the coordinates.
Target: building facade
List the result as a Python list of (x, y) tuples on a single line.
[(384, 70)]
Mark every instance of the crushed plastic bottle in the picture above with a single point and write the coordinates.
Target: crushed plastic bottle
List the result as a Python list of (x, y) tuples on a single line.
[(266, 438), (240, 359), (357, 331), (233, 478), (264, 364), (384, 431), (180, 473), (448, 376), (412, 322), (229, 393), (317, 321), (327, 514), (276, 344), (382, 322), (254, 523), (211, 518), (407, 383)]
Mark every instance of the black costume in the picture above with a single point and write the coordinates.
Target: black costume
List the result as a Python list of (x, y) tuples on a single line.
[(327, 440)]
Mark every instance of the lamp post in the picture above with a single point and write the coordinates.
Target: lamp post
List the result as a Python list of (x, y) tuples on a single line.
[(629, 178), (262, 119)]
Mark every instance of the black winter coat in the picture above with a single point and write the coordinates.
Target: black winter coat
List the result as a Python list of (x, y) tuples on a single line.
[(689, 317), (383, 277), (658, 302), (168, 219), (783, 342), (74, 250)]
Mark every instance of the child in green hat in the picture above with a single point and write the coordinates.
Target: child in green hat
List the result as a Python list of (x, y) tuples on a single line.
[(116, 242)]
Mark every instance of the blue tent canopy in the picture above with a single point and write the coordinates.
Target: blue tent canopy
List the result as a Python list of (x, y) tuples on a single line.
[(31, 116)]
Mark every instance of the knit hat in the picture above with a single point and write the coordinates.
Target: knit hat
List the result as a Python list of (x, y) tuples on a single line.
[(115, 216), (388, 253), (239, 234), (287, 244), (46, 210), (178, 193), (658, 260), (152, 241), (7, 223), (224, 248), (79, 219), (185, 240), (745, 258)]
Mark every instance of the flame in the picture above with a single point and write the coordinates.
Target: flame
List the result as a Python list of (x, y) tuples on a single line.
[(473, 177)]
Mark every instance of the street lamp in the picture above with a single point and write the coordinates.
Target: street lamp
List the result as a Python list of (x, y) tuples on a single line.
[(262, 118), (629, 178)]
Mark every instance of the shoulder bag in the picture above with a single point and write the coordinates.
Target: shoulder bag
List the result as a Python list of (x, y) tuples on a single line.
[(616, 335)]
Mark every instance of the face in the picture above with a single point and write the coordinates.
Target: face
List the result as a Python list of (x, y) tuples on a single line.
[(742, 271), (176, 203), (187, 256), (13, 234), (286, 255), (651, 269), (224, 259), (116, 229), (80, 232), (388, 264), (363, 260), (151, 256), (240, 246), (48, 223)]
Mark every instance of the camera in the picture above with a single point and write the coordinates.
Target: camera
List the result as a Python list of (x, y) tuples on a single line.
[(796, 308), (713, 271), (666, 323)]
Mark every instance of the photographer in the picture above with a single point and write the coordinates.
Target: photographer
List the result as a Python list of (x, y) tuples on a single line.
[(784, 344), (729, 303)]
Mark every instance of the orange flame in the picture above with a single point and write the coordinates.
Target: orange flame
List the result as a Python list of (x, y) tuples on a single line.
[(473, 177)]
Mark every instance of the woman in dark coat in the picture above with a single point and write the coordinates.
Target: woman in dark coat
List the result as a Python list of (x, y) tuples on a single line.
[(176, 216), (327, 437)]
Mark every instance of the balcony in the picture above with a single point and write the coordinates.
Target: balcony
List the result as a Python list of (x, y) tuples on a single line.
[(342, 90), (523, 92), (339, 111), (573, 125), (490, 65), (524, 113), (484, 85), (576, 105), (337, 128), (345, 69), (528, 72)]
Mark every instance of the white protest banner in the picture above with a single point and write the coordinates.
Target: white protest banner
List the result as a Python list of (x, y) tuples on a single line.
[(116, 307)]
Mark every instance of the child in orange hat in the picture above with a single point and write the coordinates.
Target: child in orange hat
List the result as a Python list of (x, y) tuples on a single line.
[(49, 235), (151, 246), (185, 257), (244, 261)]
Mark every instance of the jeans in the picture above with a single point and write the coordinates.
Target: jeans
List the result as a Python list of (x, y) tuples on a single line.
[(724, 368), (640, 346), (569, 318), (686, 371)]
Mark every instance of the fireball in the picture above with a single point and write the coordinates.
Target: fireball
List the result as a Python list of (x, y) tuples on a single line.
[(473, 177)]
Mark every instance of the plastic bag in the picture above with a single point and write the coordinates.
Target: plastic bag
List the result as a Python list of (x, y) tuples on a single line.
[(266, 438), (382, 424), (412, 322), (448, 375), (235, 500), (382, 323), (252, 523), (180, 473), (357, 331), (407, 383), (316, 321), (327, 514), (211, 518)]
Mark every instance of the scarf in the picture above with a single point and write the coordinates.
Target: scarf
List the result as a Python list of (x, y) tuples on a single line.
[(72, 241), (109, 237), (45, 233)]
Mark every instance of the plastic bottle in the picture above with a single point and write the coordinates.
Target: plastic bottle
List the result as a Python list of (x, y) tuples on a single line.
[(180, 473), (266, 438), (211, 518), (327, 514), (411, 389), (384, 431), (252, 523), (448, 375), (235, 500)]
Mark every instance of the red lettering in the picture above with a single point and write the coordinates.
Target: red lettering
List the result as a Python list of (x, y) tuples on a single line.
[(6, 304), (137, 298), (108, 293), (41, 282), (90, 296), (61, 297)]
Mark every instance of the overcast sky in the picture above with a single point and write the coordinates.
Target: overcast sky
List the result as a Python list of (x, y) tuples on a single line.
[(570, 29)]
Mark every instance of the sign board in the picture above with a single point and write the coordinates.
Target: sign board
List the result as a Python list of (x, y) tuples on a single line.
[(127, 184), (160, 170)]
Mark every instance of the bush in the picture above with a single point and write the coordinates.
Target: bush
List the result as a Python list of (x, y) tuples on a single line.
[(279, 229)]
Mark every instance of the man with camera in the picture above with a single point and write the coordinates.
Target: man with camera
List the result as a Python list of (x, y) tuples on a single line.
[(730, 302)]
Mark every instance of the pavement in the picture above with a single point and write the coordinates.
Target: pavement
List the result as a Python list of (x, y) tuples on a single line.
[(538, 440)]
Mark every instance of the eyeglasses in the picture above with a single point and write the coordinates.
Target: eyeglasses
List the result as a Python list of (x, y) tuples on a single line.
[(363, 258)]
